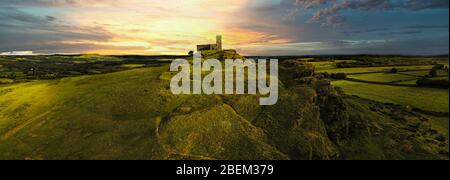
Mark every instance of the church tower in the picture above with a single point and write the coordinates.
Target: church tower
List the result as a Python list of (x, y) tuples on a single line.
[(219, 42)]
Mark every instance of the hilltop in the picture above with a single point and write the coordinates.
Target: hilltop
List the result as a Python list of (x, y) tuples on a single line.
[(133, 115)]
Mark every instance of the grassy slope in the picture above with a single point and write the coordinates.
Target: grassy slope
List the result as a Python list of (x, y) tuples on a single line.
[(423, 98), (125, 115), (133, 115)]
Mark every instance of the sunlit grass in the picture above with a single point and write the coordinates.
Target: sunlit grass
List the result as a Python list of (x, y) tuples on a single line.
[(374, 69), (383, 77), (423, 98)]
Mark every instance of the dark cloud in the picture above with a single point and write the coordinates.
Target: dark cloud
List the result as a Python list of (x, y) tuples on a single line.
[(428, 27), (46, 41), (384, 32), (14, 15), (328, 12), (373, 30), (50, 18), (417, 46), (399, 33), (23, 31), (426, 4), (50, 3)]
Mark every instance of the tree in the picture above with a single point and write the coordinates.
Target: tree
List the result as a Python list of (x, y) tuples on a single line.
[(439, 83), (433, 73), (338, 76), (394, 70)]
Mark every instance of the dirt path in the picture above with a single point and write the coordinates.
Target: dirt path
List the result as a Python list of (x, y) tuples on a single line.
[(13, 131)]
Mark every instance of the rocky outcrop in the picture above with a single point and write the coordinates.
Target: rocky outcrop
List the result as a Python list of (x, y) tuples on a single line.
[(332, 125), (333, 110)]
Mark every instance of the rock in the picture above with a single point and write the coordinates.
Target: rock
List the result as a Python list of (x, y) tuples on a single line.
[(333, 110), (300, 69)]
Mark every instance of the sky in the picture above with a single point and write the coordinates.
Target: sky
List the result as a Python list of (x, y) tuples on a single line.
[(253, 27)]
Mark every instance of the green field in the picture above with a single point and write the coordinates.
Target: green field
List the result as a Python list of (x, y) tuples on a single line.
[(383, 77), (328, 65), (423, 98), (424, 73), (131, 66), (374, 69)]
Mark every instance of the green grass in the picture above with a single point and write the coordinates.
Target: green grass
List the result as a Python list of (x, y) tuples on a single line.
[(416, 73), (223, 54), (383, 77), (374, 69), (125, 115), (440, 78), (441, 124), (132, 65), (6, 81), (412, 82), (424, 73), (423, 98), (328, 65)]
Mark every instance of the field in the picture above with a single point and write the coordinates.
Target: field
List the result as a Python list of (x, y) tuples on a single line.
[(97, 107), (424, 98), (380, 84), (374, 69), (383, 77)]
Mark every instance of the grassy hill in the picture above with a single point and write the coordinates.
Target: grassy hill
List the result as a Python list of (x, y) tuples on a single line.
[(133, 115)]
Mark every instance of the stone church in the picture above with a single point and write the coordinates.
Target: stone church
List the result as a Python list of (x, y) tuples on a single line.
[(217, 46)]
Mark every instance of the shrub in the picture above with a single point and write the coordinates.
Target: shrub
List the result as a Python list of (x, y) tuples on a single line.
[(394, 70), (433, 73), (440, 83), (439, 66), (323, 75), (338, 76)]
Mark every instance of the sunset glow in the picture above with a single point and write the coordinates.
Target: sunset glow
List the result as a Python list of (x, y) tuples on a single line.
[(252, 27)]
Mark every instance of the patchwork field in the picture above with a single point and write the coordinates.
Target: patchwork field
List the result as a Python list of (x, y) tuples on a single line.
[(424, 98), (383, 77), (359, 70), (380, 84)]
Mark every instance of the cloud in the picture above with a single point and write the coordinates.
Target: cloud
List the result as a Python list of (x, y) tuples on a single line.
[(364, 31), (12, 14), (426, 4), (52, 3), (428, 27), (329, 12), (50, 18), (23, 31), (252, 26), (307, 4)]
